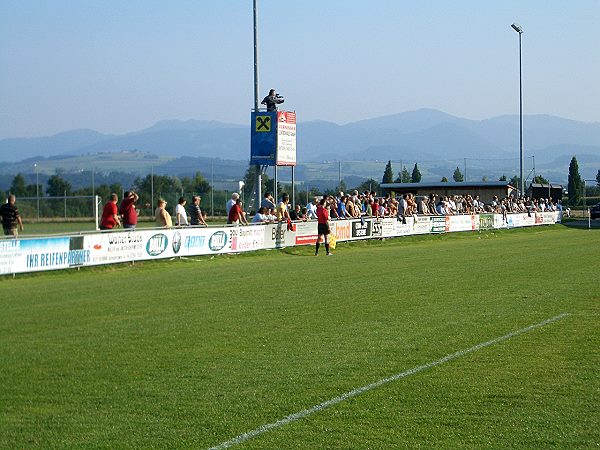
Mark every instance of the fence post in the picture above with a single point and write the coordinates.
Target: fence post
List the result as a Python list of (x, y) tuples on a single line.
[(96, 200)]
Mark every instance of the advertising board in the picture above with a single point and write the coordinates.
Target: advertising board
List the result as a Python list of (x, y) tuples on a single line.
[(286, 138), (263, 138), (382, 227), (361, 229), (244, 239), (342, 229), (277, 235), (438, 224), (486, 221), (306, 233), (461, 222), (50, 253), (33, 255)]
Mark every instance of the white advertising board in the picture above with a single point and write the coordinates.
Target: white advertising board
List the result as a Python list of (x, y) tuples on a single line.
[(286, 138), (50, 253)]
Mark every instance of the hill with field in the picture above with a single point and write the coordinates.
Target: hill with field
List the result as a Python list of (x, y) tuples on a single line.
[(432, 138)]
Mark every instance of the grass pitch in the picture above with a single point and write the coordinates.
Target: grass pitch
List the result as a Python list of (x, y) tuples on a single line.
[(192, 353)]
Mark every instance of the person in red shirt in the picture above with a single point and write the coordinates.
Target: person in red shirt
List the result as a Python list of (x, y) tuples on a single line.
[(110, 215), (322, 226), (236, 214), (128, 211), (375, 208)]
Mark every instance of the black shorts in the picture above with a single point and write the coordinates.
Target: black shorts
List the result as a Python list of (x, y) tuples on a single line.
[(323, 228)]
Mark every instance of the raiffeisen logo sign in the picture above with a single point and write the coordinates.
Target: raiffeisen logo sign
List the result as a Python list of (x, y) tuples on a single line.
[(157, 244), (217, 241)]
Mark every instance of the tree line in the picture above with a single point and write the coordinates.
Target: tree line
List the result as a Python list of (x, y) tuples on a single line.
[(575, 188)]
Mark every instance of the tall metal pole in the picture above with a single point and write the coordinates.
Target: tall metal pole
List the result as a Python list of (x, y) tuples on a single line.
[(519, 30), (521, 118), (258, 167), (255, 57), (293, 186)]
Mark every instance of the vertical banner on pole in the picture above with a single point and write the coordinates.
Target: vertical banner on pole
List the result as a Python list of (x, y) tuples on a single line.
[(273, 138), (263, 138), (286, 138)]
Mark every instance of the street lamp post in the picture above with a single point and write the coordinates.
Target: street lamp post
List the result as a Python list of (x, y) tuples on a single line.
[(519, 30)]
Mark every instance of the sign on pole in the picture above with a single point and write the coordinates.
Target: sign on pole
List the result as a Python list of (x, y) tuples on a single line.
[(273, 138)]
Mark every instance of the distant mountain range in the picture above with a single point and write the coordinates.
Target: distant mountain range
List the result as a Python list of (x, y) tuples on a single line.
[(416, 136)]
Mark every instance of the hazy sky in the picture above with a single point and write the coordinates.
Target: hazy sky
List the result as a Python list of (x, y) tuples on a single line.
[(119, 66)]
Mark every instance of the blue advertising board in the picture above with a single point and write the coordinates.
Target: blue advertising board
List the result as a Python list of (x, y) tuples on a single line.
[(263, 138)]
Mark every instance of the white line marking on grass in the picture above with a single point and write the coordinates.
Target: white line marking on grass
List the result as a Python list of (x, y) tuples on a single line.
[(334, 401)]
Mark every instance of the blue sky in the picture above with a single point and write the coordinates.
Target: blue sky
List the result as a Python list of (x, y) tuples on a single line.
[(120, 66)]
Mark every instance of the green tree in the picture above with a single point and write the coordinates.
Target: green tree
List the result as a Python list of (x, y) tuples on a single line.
[(58, 186), (341, 187), (598, 178), (403, 176), (17, 187), (444, 180), (196, 184), (484, 178), (416, 175), (388, 173), (458, 176), (164, 186), (503, 178), (369, 185), (540, 180), (515, 181), (103, 191), (250, 182), (575, 183)]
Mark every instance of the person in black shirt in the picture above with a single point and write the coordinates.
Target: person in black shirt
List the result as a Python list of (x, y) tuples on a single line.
[(194, 212), (272, 100), (10, 217)]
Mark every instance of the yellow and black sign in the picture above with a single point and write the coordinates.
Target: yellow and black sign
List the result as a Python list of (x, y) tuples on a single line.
[(263, 124)]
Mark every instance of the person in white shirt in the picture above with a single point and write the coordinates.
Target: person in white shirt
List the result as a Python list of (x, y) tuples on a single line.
[(180, 214), (231, 202), (311, 209), (260, 216)]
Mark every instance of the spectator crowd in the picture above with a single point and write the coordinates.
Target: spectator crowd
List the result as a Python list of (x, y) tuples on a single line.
[(341, 206)]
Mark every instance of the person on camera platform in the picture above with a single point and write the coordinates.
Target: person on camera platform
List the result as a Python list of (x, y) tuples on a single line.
[(272, 100)]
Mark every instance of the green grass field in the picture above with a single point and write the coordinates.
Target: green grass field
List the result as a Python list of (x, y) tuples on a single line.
[(193, 353)]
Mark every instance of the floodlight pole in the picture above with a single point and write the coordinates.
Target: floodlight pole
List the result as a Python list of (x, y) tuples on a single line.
[(519, 30), (259, 167)]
